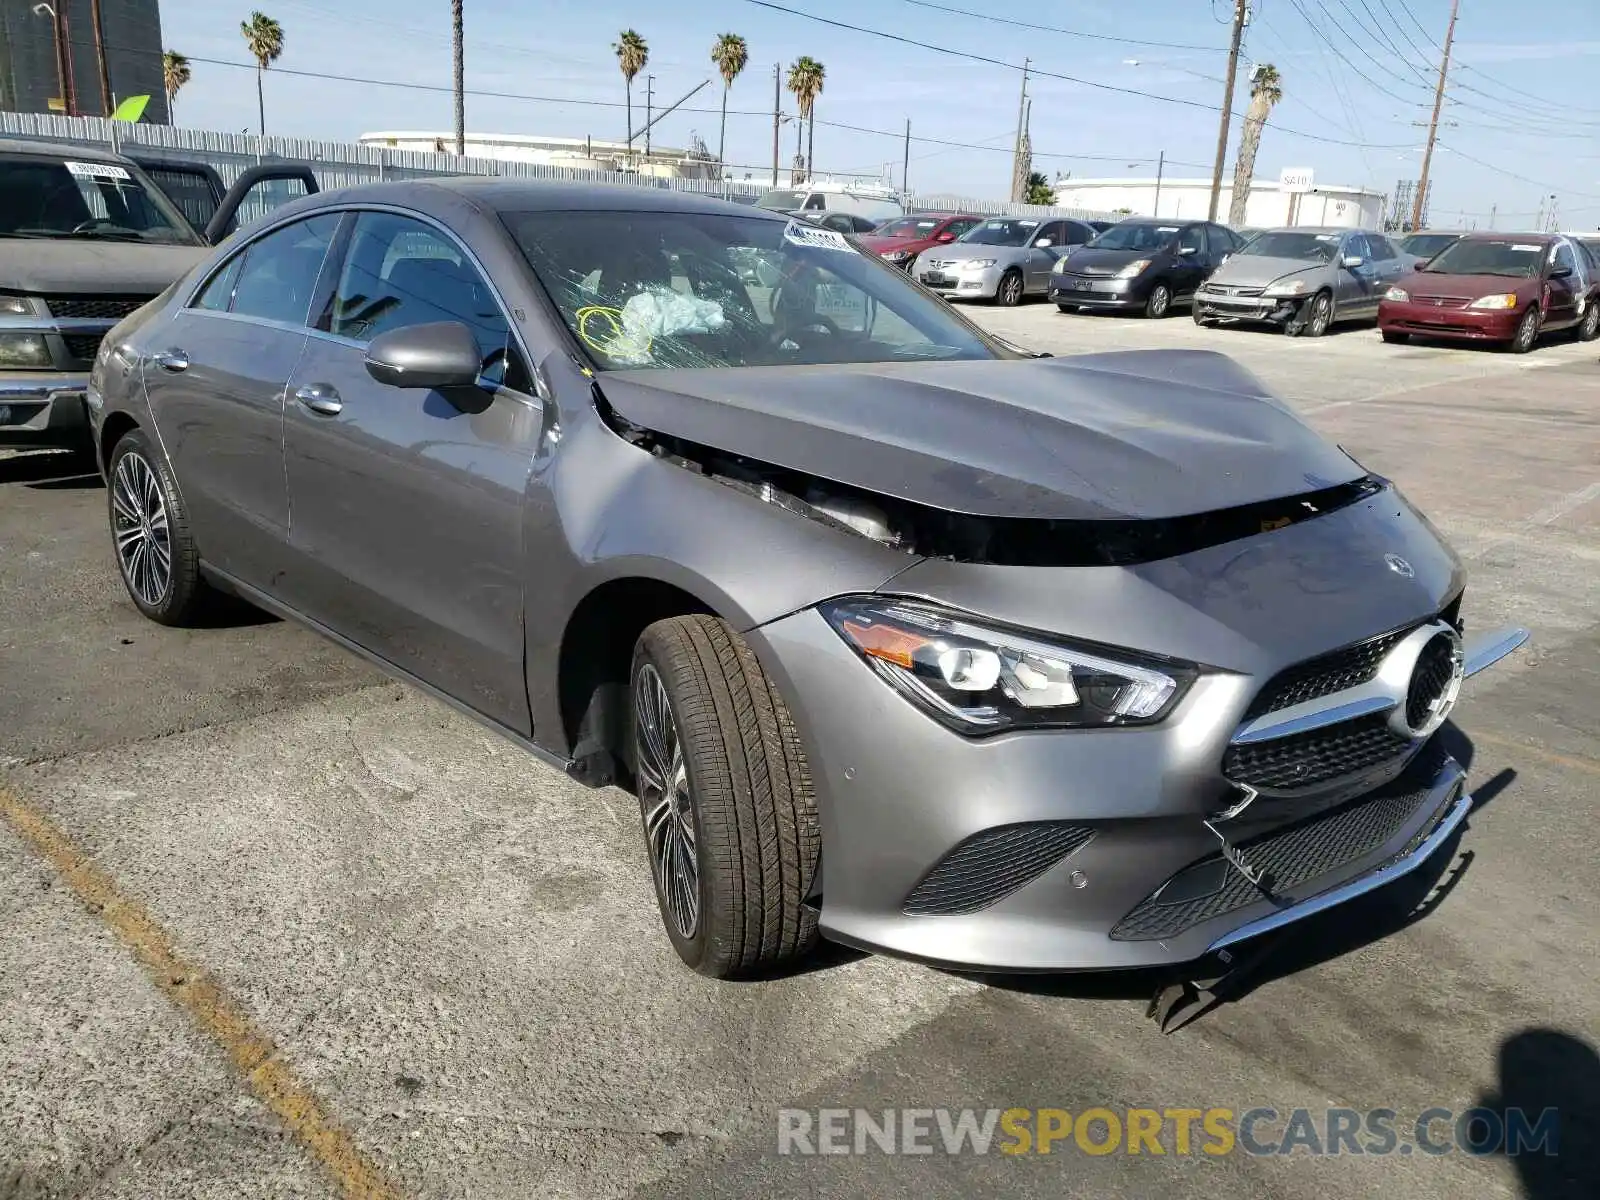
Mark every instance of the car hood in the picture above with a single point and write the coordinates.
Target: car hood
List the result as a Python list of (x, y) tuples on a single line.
[(103, 268), (1252, 270), (1133, 435), (962, 251), (1087, 261), (1424, 284)]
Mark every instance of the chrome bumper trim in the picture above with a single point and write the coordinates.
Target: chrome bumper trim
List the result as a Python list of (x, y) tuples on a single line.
[(1450, 780), (36, 388), (1485, 649)]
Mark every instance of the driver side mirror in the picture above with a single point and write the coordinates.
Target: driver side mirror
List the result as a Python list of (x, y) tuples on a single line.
[(1044, 243), (946, 236), (1561, 272), (1188, 251), (442, 356), (1353, 260)]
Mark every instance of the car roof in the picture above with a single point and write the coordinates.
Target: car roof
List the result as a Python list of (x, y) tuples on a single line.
[(1509, 235), (59, 150), (542, 195)]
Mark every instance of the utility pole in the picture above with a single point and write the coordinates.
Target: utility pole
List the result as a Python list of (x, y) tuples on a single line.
[(1493, 209), (458, 57), (1433, 125), (777, 106), (1018, 182), (1161, 166), (649, 97), (1241, 14), (905, 162)]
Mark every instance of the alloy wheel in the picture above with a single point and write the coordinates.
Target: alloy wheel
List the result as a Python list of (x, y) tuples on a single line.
[(1527, 331), (1160, 300), (669, 825), (1011, 288), (140, 528), (1321, 316)]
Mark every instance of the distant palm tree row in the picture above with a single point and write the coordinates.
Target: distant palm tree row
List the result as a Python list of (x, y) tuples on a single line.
[(263, 37), (731, 54)]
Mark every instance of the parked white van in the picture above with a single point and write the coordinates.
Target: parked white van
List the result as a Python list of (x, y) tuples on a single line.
[(876, 203)]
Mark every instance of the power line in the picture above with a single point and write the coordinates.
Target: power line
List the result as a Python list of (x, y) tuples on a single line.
[(1550, 187), (1099, 37), (1009, 66)]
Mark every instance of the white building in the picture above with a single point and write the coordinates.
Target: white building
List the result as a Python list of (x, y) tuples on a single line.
[(1270, 202), (584, 154)]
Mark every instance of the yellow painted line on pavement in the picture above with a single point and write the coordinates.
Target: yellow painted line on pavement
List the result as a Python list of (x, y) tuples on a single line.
[(202, 997), (1549, 756)]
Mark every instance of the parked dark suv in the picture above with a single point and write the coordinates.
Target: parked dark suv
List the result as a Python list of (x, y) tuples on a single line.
[(1142, 266)]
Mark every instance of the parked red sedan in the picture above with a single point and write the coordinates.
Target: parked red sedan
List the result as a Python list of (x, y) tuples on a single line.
[(1496, 287), (900, 241)]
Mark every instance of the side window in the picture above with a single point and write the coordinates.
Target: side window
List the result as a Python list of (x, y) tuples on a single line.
[(1192, 242), (962, 226), (399, 272), (1078, 233), (1563, 258), (1382, 247), (816, 200), (280, 271), (217, 295), (1356, 245)]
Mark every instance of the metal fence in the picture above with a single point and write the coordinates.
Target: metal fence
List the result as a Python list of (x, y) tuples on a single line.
[(343, 164)]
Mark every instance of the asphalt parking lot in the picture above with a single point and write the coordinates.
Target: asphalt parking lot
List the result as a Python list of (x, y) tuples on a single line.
[(272, 926)]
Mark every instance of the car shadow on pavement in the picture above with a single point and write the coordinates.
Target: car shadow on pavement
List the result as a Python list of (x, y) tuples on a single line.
[(1340, 931), (1544, 1069), (51, 469)]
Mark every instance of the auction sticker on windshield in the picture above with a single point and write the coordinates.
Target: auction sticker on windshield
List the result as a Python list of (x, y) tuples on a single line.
[(98, 170), (821, 239), (842, 304)]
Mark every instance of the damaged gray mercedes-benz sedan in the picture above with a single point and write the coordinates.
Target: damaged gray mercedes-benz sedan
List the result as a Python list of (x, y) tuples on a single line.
[(900, 635)]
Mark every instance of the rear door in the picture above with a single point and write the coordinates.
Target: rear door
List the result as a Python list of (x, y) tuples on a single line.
[(216, 387), (407, 511), (256, 193), (195, 188)]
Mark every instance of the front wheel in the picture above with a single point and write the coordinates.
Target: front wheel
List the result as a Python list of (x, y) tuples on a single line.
[(156, 553), (1589, 328), (1009, 293), (1159, 302), (1527, 332), (1317, 319), (729, 812), (1200, 318)]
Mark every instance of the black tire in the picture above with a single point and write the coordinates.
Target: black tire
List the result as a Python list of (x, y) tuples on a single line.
[(1008, 292), (1527, 334), (183, 595), (1589, 327), (1318, 317), (1159, 302), (1067, 308), (1199, 318), (747, 790), (1394, 337)]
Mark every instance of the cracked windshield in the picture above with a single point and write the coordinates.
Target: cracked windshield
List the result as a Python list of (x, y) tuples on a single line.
[(48, 198), (694, 290)]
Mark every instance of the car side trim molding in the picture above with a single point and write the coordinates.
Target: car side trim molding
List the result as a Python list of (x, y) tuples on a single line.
[(277, 608), (1447, 789)]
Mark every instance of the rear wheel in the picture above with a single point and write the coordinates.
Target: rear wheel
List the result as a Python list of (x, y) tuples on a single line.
[(156, 554), (725, 793), (1009, 293), (1394, 336), (1159, 302), (1527, 333), (1589, 327)]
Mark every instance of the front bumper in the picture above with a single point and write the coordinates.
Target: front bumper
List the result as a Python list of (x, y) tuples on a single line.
[(1075, 850), (1429, 320), (1267, 310), (1098, 292), (957, 284), (43, 409)]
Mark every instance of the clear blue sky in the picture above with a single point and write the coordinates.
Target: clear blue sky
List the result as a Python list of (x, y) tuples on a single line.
[(1523, 118)]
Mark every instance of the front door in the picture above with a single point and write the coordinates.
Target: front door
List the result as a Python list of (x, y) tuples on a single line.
[(1191, 263), (1357, 289), (1563, 289), (406, 510), (216, 386)]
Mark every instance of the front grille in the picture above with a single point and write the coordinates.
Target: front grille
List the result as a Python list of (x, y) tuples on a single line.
[(1219, 289), (990, 865), (83, 345), (1324, 675), (1290, 857), (94, 308), (1304, 760), (1443, 301), (1435, 668)]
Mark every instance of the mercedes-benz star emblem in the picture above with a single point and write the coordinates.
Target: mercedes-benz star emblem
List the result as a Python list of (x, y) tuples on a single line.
[(1400, 566)]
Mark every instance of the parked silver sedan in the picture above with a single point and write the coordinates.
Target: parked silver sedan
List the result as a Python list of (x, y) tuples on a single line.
[(1302, 280), (1002, 259)]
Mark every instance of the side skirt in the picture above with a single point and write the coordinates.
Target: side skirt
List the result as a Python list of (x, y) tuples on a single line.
[(244, 591)]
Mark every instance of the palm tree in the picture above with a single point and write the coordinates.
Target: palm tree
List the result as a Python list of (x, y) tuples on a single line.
[(806, 75), (730, 54), (1266, 89), (174, 74), (264, 38), (457, 36), (632, 56)]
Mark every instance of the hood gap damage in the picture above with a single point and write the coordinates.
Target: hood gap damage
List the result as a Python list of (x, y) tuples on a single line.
[(926, 532)]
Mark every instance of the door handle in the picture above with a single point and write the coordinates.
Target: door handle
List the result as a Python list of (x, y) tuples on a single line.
[(173, 360), (320, 399)]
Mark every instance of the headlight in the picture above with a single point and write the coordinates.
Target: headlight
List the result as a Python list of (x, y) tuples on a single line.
[(1399, 294), (1500, 300), (1295, 287), (1133, 268), (980, 679), (978, 264), (23, 350), (897, 255), (15, 306)]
